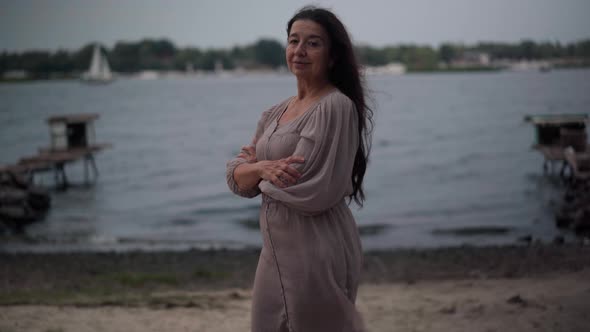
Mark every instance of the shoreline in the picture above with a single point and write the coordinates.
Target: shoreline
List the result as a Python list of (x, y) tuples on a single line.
[(496, 288)]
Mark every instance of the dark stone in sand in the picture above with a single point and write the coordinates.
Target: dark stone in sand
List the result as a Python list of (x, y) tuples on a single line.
[(518, 300), (448, 310)]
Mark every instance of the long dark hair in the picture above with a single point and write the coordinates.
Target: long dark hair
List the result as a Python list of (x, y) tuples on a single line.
[(346, 76)]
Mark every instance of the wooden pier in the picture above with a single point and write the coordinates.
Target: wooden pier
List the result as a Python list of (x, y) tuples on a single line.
[(72, 139), (48, 160), (563, 138), (555, 134)]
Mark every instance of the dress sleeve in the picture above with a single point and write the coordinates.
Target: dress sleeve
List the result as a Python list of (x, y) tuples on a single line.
[(328, 143), (235, 162)]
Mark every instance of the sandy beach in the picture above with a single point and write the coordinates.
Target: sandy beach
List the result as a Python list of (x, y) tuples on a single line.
[(516, 288)]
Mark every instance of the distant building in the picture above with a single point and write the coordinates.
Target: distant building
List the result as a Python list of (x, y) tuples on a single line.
[(534, 65), (393, 68), (148, 75), (15, 75), (472, 59)]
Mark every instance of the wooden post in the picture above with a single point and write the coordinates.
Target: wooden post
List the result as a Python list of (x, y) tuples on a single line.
[(61, 180), (86, 169), (56, 175), (94, 168)]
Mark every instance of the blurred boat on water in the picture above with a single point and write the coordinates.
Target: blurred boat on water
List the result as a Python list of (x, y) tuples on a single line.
[(99, 71)]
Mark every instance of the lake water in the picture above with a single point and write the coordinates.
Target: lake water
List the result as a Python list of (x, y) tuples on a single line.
[(449, 151)]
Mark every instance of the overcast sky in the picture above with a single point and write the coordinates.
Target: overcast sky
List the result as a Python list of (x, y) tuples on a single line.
[(70, 24)]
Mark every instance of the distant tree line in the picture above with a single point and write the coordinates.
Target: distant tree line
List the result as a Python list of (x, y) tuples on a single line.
[(416, 57), (150, 54), (147, 54)]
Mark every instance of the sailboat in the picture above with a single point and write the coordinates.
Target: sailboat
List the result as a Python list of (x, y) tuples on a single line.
[(99, 71)]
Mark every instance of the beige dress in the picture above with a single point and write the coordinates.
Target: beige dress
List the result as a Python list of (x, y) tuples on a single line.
[(309, 267)]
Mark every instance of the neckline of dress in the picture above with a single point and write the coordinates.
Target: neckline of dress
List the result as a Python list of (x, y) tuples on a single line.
[(309, 109)]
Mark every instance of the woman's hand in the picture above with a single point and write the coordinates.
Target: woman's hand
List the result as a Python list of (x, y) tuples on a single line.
[(249, 153), (280, 172)]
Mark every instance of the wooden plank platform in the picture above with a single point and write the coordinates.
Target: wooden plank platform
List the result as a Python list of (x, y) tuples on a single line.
[(73, 118), (55, 160), (557, 119)]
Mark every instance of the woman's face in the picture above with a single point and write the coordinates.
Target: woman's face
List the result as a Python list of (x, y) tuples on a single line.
[(308, 50)]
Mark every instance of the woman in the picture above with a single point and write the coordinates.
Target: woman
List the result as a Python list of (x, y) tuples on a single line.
[(309, 153)]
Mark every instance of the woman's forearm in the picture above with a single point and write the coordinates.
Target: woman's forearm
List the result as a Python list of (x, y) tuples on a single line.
[(247, 176)]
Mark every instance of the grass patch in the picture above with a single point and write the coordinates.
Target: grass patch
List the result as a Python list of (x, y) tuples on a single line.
[(142, 279), (200, 273), (117, 288), (91, 296), (97, 298)]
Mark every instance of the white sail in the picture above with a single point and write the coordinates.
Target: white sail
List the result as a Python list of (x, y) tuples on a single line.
[(99, 70), (95, 62), (105, 68)]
